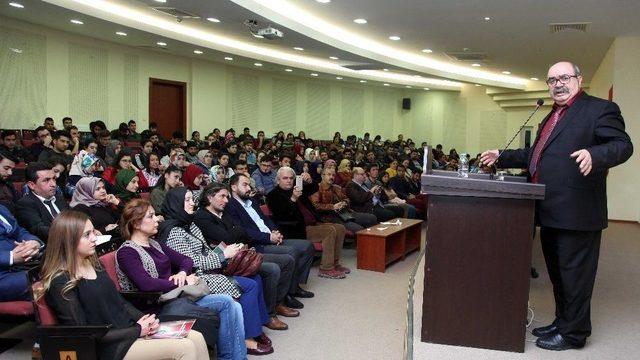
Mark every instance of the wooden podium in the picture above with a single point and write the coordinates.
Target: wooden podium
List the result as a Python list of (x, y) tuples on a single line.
[(478, 258)]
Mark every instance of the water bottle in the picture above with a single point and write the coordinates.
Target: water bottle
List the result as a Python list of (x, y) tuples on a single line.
[(463, 166)]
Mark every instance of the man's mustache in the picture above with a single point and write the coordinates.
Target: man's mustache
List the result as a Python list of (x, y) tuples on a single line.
[(561, 90)]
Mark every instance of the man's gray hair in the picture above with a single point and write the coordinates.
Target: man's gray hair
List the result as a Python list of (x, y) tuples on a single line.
[(283, 169), (576, 70)]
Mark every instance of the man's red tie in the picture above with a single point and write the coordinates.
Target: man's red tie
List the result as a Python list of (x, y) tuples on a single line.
[(544, 136)]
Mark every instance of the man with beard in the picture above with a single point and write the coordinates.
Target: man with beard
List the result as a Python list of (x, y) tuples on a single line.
[(577, 143)]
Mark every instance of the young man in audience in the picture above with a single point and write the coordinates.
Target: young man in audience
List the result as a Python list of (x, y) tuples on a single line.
[(264, 176), (11, 147), (104, 139), (8, 194), (367, 200), (48, 123), (268, 238), (67, 123), (133, 135), (17, 246), (43, 141), (74, 141), (59, 150), (36, 210)]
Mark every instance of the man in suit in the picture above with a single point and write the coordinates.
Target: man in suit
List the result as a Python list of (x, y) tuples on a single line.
[(17, 246), (268, 239), (368, 200), (577, 143), (36, 210)]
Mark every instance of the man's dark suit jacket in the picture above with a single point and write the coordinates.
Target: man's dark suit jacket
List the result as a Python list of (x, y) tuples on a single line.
[(573, 201), (361, 199), (286, 213), (216, 230), (33, 215), (240, 216)]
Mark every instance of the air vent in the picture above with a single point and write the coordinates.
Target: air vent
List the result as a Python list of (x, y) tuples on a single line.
[(176, 13), (467, 56), (557, 27)]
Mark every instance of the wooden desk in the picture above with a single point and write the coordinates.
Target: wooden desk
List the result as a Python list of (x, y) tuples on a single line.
[(379, 248)]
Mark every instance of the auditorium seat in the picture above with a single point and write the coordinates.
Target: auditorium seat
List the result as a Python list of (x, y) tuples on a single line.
[(17, 186), (145, 195), (26, 143), (137, 298), (265, 210), (132, 144)]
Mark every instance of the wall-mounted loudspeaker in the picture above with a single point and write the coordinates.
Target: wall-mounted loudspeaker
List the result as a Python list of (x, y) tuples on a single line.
[(406, 104)]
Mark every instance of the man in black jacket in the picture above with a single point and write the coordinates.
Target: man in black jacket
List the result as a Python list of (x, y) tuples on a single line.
[(36, 210), (363, 199), (577, 143), (276, 270)]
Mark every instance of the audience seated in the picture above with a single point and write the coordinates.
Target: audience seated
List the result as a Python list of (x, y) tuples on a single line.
[(387, 196), (194, 178), (12, 148), (268, 239), (171, 178), (343, 175), (144, 264), (367, 200), (80, 293), (126, 185), (83, 165), (296, 219), (330, 202), (8, 194), (141, 159), (43, 141), (103, 209), (264, 176), (37, 209), (150, 175), (406, 189), (180, 233), (123, 161), (17, 247), (59, 150)]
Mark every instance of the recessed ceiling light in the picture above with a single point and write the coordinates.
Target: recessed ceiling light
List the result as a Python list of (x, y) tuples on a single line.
[(338, 78), (418, 76), (477, 85), (121, 33), (476, 65), (213, 20), (288, 70), (486, 18), (535, 79), (427, 89), (428, 51), (258, 36), (363, 81), (198, 52), (161, 1), (408, 86), (323, 1), (298, 48), (385, 69), (257, 64), (77, 22), (394, 37), (16, 5), (228, 58), (161, 43), (385, 84), (314, 74), (506, 72), (360, 21), (334, 57)]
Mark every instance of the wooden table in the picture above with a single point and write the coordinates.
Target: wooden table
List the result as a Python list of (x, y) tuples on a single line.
[(378, 248)]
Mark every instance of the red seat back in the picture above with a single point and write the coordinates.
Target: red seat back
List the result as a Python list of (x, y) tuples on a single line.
[(145, 195), (27, 134), (16, 308), (28, 142), (265, 210), (44, 314), (108, 261)]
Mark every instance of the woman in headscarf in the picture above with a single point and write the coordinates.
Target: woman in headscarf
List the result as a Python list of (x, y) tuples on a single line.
[(205, 160), (181, 234), (126, 185), (112, 151), (194, 177), (83, 165), (92, 199), (343, 175)]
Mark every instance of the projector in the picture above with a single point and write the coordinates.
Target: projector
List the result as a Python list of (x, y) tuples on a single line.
[(270, 33)]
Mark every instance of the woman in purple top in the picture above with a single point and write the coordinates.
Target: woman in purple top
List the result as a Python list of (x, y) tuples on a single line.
[(144, 264)]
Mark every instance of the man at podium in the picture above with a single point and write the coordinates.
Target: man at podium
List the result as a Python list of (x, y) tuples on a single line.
[(577, 142)]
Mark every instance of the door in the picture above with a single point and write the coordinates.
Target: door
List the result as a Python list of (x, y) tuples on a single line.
[(168, 106)]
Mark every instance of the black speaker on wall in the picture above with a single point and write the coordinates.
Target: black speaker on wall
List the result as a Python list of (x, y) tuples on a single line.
[(406, 104)]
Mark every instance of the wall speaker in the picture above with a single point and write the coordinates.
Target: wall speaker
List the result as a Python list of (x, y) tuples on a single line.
[(406, 104)]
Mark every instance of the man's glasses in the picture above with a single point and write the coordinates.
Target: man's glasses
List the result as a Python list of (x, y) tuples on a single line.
[(552, 81)]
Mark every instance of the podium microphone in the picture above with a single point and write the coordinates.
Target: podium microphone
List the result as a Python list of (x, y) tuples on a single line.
[(539, 103)]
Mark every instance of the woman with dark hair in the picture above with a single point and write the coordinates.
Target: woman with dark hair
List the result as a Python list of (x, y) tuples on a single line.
[(147, 265), (171, 178), (150, 175), (92, 199), (122, 161), (259, 141), (126, 185), (81, 293), (181, 234), (142, 158)]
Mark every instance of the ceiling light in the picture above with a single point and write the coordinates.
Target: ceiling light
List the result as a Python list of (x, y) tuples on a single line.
[(298, 48), (228, 58), (16, 5), (506, 72), (360, 21), (394, 37), (408, 86), (476, 65), (385, 69), (121, 33), (160, 1), (161, 43), (334, 57), (198, 52), (477, 85), (418, 76), (535, 79), (385, 84), (213, 20), (288, 70), (314, 74), (427, 89), (77, 22), (338, 77), (257, 64), (323, 1), (428, 51), (486, 18), (363, 81), (258, 36)]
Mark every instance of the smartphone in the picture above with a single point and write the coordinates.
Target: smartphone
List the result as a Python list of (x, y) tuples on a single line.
[(299, 181)]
